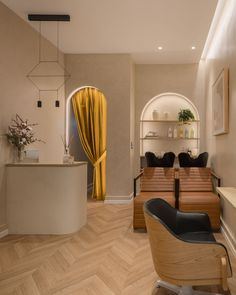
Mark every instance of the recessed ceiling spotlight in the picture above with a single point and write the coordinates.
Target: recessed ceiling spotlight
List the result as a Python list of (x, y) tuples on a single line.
[(159, 47), (193, 47)]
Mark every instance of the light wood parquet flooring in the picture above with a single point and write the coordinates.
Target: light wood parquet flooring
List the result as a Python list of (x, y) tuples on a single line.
[(104, 258)]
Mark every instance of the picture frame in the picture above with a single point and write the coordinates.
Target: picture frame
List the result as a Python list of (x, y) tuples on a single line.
[(220, 103)]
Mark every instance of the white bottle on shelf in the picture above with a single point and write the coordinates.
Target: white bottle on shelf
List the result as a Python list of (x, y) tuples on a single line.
[(155, 115), (170, 132), (175, 133), (166, 116), (181, 132), (186, 133), (192, 135)]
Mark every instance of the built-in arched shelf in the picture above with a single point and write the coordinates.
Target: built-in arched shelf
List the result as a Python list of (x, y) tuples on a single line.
[(160, 130)]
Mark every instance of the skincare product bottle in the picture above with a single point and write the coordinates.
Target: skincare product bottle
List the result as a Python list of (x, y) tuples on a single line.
[(169, 132), (186, 133), (166, 115), (175, 133), (181, 132), (155, 115), (192, 133)]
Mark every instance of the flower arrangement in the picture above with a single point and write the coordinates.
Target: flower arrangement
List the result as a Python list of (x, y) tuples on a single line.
[(185, 115), (20, 133)]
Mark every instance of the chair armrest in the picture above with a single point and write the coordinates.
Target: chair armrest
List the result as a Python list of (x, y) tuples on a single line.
[(204, 259), (135, 181), (216, 177), (192, 222)]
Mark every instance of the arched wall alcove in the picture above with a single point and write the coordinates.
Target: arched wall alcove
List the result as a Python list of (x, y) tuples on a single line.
[(71, 132), (159, 122)]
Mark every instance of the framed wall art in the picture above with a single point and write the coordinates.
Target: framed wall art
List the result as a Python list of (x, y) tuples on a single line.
[(220, 103)]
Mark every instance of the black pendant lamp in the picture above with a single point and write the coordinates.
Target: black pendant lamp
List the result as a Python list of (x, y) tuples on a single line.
[(48, 75)]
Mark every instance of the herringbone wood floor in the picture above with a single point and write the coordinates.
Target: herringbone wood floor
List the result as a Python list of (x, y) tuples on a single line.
[(105, 258)]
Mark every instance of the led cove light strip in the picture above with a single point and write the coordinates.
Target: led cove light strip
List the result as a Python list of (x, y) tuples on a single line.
[(218, 27)]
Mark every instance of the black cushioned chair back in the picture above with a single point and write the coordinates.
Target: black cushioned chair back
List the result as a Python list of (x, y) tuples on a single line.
[(186, 161), (202, 159), (164, 212), (176, 221), (151, 159), (166, 161)]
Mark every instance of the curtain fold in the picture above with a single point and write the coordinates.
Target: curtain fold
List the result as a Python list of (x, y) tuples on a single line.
[(90, 109)]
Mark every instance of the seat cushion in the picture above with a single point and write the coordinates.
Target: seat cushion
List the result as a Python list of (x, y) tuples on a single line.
[(138, 217), (201, 236), (206, 202)]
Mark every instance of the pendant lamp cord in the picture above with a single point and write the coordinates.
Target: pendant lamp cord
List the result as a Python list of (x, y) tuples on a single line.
[(57, 41), (40, 40)]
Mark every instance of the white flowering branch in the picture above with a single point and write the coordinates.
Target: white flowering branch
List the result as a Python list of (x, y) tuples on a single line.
[(20, 133)]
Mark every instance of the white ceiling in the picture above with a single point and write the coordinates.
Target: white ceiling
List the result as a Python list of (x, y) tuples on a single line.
[(137, 27)]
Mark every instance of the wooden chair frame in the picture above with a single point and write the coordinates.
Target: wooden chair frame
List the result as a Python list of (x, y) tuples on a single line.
[(185, 263)]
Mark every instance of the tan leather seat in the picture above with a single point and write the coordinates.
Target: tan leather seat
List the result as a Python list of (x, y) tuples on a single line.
[(155, 182), (206, 202), (196, 194), (138, 218)]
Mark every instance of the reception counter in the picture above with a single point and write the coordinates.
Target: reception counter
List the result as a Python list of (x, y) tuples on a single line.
[(46, 198)]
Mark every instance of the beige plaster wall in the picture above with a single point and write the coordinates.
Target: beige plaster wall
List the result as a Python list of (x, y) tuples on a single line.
[(18, 55), (111, 73), (222, 54), (185, 79)]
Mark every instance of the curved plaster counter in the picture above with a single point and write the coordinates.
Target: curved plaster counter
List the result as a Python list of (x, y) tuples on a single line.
[(228, 213), (46, 198)]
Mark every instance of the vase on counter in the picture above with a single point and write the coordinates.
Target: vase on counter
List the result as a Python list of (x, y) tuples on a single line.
[(67, 158), (19, 155)]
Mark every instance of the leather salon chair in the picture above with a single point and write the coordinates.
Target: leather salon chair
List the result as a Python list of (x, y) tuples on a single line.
[(184, 250)]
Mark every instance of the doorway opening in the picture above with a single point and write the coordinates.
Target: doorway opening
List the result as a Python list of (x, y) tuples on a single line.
[(86, 134)]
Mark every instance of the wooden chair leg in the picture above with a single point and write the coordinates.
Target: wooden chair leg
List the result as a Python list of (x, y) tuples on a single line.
[(224, 273)]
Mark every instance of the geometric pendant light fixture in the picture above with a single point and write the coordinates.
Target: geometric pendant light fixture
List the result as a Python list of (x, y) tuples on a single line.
[(48, 75)]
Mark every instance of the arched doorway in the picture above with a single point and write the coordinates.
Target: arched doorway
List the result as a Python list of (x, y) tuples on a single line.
[(160, 117), (86, 114), (69, 110)]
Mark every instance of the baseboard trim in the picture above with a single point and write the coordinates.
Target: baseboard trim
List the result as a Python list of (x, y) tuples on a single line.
[(118, 199), (226, 232), (3, 231)]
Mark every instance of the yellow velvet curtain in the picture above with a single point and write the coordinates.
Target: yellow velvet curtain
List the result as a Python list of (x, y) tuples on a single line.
[(90, 109)]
